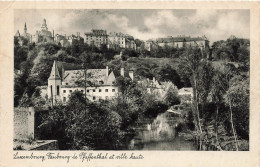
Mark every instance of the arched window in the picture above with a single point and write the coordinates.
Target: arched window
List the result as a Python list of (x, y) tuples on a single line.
[(58, 90)]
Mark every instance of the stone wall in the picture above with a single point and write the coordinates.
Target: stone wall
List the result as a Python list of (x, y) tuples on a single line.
[(24, 123), (47, 145)]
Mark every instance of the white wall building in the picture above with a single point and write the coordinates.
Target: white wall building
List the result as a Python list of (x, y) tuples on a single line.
[(100, 83)]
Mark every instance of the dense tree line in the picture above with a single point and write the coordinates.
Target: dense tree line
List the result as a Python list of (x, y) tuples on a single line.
[(218, 97)]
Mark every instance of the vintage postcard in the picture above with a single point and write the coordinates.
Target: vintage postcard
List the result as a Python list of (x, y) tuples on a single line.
[(129, 83)]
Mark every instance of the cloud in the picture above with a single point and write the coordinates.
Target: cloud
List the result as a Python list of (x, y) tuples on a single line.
[(142, 24)]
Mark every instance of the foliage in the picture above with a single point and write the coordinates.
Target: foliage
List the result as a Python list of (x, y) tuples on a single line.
[(172, 97), (238, 97), (233, 49), (77, 127), (167, 73)]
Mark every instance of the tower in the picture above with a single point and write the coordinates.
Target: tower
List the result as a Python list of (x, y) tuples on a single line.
[(25, 28), (44, 25), (54, 84)]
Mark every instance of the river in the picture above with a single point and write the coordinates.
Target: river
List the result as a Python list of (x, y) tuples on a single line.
[(160, 134)]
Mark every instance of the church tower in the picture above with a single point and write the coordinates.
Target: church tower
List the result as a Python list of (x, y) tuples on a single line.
[(25, 28), (44, 25), (54, 84)]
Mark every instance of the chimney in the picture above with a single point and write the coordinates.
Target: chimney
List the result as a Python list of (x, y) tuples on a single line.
[(78, 34), (122, 72), (107, 71), (153, 79), (131, 74)]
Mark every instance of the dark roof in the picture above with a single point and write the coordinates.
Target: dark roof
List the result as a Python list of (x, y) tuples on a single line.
[(179, 39), (97, 33)]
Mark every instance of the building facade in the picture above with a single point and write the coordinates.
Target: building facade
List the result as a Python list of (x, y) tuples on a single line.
[(121, 40), (178, 42), (96, 38), (43, 35), (100, 83), (66, 41)]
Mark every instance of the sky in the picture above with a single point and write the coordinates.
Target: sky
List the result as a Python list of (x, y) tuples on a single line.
[(143, 24)]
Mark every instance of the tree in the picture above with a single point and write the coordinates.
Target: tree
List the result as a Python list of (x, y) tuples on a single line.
[(100, 129), (237, 98), (167, 73), (219, 87), (172, 97), (194, 66)]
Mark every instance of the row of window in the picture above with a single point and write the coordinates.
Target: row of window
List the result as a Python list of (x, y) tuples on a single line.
[(94, 98), (93, 90)]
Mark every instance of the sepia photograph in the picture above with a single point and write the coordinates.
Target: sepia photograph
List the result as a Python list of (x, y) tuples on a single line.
[(131, 79)]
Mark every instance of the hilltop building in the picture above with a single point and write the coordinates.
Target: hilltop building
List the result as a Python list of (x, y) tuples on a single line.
[(64, 79), (25, 35), (96, 38), (178, 42), (44, 35), (75, 39), (66, 41), (122, 40)]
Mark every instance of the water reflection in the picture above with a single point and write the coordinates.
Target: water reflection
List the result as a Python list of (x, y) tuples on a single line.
[(160, 135)]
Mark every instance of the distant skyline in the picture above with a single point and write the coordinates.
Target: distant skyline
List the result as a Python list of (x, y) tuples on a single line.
[(142, 24)]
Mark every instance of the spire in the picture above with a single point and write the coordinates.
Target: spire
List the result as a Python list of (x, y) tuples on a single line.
[(54, 72), (25, 28), (44, 25)]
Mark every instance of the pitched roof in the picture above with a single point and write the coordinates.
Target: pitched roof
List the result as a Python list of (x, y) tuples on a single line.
[(93, 76), (54, 72)]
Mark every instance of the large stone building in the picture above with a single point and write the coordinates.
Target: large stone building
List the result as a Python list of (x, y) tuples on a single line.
[(178, 42), (100, 83), (66, 41), (97, 38), (122, 40), (43, 35)]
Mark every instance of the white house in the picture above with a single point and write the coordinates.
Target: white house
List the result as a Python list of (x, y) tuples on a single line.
[(100, 83)]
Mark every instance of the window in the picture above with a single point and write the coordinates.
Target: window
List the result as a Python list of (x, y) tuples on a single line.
[(70, 91), (64, 91), (101, 82), (51, 91), (94, 98), (64, 99), (100, 90), (58, 90), (113, 90), (82, 91), (66, 83), (94, 90), (106, 90), (87, 90)]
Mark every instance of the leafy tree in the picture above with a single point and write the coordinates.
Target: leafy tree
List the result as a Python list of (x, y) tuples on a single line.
[(167, 73), (237, 98), (76, 129), (199, 70), (172, 97)]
